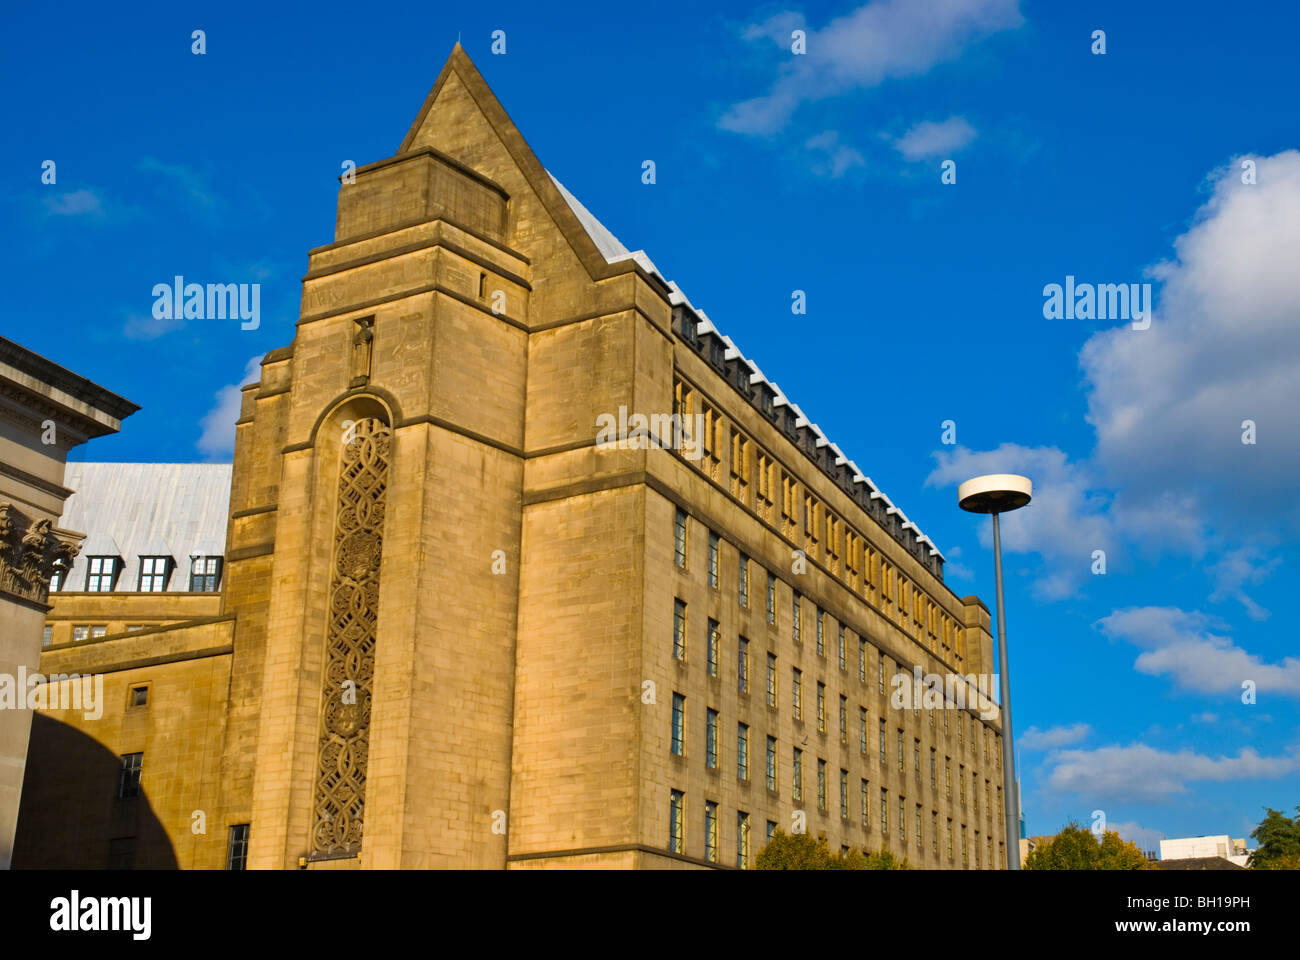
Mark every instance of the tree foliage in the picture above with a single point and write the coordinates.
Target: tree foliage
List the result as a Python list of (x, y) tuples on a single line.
[(1279, 842), (801, 852), (1075, 848)]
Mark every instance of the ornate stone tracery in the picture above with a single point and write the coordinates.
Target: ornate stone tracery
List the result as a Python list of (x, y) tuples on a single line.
[(350, 639), (30, 552)]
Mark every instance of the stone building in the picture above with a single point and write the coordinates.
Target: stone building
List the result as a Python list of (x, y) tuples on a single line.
[(45, 411), (527, 566)]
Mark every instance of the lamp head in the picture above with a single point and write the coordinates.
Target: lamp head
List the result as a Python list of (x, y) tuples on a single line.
[(995, 493)]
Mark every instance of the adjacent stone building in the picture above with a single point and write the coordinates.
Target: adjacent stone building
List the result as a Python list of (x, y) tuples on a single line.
[(45, 411), (527, 566)]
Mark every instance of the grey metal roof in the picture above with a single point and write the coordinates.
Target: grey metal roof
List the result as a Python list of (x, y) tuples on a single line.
[(614, 251), (144, 510)]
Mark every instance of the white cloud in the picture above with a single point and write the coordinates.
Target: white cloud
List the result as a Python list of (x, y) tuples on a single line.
[(1064, 523), (1052, 737), (145, 326), (75, 203), (880, 40), (218, 425), (1237, 568), (835, 158), (1144, 837), (1142, 774), (929, 139), (1183, 645), (1168, 402)]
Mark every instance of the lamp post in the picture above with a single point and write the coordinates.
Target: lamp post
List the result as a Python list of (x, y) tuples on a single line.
[(994, 494)]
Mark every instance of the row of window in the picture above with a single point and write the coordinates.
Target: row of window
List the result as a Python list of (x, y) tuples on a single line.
[(87, 631), (102, 574), (677, 746), (713, 644), (805, 520), (983, 852)]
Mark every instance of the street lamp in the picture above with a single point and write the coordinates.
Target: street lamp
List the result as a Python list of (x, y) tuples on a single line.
[(998, 493)]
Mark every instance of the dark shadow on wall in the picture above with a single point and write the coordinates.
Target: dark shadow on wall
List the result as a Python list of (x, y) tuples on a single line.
[(69, 817)]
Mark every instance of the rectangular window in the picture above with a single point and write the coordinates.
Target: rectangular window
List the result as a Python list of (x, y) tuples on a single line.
[(842, 654), (977, 850), (916, 759), (128, 782), (679, 630), (771, 831), (742, 666), (676, 801), (740, 475), (880, 673), (711, 831), (205, 574), (713, 560), (844, 794), (961, 781), (950, 838), (154, 572), (934, 832), (56, 576), (902, 819), (920, 835), (934, 776), (766, 500), (862, 661), (101, 574), (80, 633), (821, 784), (884, 812), (679, 538), (821, 632), (97, 632), (844, 719), (898, 745), (679, 725), (865, 800), (797, 618), (138, 696), (862, 731), (883, 756), (821, 707), (713, 641), (771, 598), (742, 840), (710, 738), (796, 693), (771, 763), (771, 679), (47, 637), (742, 580), (237, 847), (965, 858), (742, 751), (975, 791), (796, 781), (947, 777), (987, 806)]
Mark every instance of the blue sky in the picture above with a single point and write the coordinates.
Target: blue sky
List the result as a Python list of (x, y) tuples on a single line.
[(820, 172)]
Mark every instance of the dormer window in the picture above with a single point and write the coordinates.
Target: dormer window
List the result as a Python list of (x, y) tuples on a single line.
[(101, 575), (154, 574), (205, 574), (715, 352)]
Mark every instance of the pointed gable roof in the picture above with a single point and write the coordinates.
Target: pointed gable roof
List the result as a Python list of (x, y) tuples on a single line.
[(459, 68)]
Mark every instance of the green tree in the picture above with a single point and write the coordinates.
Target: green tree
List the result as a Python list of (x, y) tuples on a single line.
[(796, 851), (801, 852), (1075, 848), (1279, 842)]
